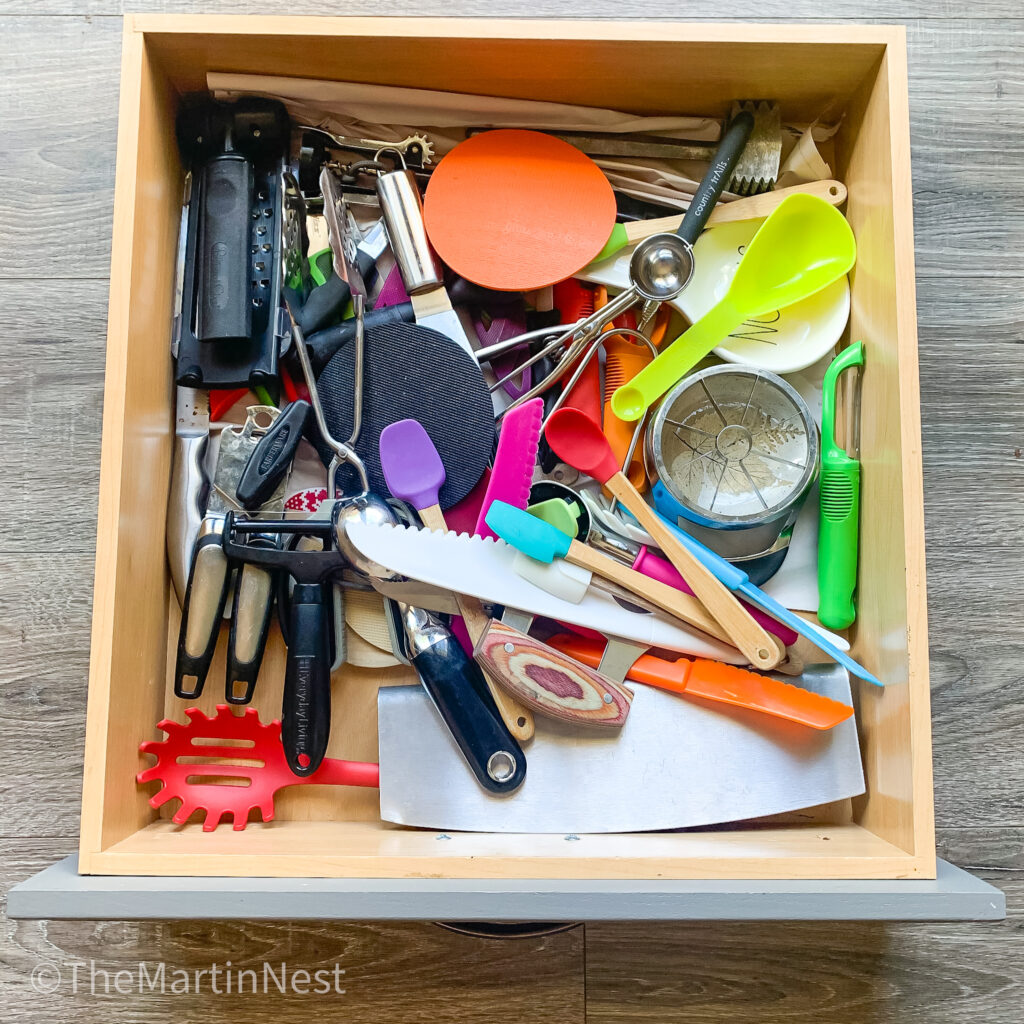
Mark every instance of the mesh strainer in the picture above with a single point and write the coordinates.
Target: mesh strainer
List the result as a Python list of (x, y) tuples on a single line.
[(735, 452)]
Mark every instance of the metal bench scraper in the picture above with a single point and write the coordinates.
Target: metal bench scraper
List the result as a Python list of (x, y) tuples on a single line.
[(674, 764)]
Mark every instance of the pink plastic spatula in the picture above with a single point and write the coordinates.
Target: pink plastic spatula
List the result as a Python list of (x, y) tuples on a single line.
[(415, 473), (578, 441), (514, 461), (246, 740)]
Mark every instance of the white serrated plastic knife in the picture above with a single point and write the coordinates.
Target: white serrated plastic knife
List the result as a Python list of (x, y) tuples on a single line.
[(483, 568)]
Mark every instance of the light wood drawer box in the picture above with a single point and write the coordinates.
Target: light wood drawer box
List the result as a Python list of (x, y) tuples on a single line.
[(856, 73)]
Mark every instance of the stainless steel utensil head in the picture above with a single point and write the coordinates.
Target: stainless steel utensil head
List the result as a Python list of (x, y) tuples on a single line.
[(343, 231), (734, 445), (661, 266), (294, 240), (758, 165), (366, 507)]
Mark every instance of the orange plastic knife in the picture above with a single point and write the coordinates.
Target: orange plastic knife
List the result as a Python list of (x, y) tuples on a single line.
[(699, 677)]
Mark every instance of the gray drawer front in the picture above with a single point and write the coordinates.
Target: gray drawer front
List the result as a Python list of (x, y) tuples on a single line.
[(60, 892)]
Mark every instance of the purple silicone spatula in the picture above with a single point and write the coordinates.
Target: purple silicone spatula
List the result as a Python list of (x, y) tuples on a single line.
[(415, 473)]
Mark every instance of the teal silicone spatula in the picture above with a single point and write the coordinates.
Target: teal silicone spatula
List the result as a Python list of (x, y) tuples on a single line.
[(800, 249)]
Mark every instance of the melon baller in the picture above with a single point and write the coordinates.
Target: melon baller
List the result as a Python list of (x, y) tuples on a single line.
[(733, 453)]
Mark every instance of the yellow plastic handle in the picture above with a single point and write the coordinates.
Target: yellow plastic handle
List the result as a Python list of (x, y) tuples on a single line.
[(633, 399)]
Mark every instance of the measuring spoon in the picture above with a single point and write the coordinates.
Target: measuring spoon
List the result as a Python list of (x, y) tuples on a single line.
[(801, 248)]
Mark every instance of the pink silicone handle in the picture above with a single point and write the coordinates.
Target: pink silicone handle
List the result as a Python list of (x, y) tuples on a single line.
[(664, 572)]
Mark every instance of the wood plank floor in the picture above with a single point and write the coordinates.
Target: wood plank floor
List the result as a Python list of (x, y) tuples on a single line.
[(58, 96)]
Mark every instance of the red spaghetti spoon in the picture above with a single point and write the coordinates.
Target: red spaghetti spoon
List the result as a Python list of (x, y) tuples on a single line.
[(246, 740), (580, 442)]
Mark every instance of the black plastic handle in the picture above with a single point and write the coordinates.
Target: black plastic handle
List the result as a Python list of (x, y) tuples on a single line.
[(225, 300), (250, 624), (718, 174), (324, 344), (465, 293), (324, 304), (201, 613), (457, 687), (546, 457), (271, 458), (306, 708), (366, 264)]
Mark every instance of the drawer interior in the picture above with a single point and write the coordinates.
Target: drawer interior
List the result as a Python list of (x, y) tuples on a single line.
[(853, 75)]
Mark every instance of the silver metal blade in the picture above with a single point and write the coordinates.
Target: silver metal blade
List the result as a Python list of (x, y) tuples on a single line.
[(179, 265), (191, 412), (676, 763), (189, 482), (422, 595), (484, 569), (375, 241), (433, 309)]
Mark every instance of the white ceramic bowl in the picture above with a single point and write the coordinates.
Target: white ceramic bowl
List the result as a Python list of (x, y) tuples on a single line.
[(782, 341)]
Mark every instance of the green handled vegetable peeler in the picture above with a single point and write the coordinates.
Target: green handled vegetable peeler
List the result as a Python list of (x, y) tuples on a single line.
[(839, 516)]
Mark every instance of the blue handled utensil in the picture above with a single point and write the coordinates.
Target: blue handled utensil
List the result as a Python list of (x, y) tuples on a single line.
[(738, 581)]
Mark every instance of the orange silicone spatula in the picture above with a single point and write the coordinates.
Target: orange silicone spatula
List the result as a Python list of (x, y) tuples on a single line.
[(581, 444), (623, 360), (516, 210), (712, 680)]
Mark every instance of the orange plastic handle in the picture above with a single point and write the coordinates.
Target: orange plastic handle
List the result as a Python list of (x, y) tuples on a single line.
[(667, 675), (623, 361), (712, 680)]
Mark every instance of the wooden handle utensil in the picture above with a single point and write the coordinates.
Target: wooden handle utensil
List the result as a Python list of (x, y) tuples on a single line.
[(577, 442)]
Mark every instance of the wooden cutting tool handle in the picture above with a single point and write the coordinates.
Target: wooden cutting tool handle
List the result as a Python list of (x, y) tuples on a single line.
[(684, 607), (550, 682)]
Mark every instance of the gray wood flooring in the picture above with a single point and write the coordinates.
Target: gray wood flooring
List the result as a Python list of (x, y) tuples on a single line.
[(58, 99)]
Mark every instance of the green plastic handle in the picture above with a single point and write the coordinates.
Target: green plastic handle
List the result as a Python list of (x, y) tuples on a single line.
[(320, 264), (616, 241), (632, 400), (838, 527), (839, 509)]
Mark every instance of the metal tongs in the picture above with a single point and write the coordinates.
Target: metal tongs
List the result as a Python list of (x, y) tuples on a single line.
[(578, 344), (658, 271), (297, 277)]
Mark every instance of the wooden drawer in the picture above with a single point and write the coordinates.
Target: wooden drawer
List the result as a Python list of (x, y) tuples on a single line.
[(857, 74)]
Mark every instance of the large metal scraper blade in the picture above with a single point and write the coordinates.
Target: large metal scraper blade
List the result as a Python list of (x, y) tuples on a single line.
[(676, 763)]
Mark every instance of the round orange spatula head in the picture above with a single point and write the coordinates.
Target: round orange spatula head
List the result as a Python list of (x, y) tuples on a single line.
[(516, 210)]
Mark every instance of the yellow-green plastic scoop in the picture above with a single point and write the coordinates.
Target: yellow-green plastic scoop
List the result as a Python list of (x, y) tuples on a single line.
[(801, 248)]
